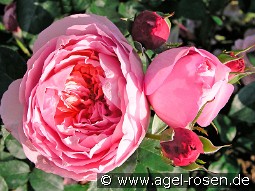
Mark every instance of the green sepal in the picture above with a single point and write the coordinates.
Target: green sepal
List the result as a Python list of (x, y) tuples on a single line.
[(237, 52), (158, 125), (193, 166), (208, 147), (201, 130), (239, 76), (168, 135), (225, 58)]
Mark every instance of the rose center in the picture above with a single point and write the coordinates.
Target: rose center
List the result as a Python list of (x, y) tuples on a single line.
[(83, 97)]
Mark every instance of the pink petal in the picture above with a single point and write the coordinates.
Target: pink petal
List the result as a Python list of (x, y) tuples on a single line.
[(11, 110), (59, 28), (160, 68), (212, 109)]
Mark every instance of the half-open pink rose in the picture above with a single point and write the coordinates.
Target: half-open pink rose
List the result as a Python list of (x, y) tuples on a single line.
[(184, 149), (180, 81), (80, 109)]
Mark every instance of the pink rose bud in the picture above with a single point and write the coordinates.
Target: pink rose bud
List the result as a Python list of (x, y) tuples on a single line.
[(150, 29), (10, 19), (180, 81), (184, 149), (236, 65)]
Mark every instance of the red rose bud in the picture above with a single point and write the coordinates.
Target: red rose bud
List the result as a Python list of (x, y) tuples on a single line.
[(9, 18), (150, 29), (236, 65), (184, 148)]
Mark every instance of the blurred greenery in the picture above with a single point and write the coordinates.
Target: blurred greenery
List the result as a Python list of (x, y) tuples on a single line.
[(213, 25)]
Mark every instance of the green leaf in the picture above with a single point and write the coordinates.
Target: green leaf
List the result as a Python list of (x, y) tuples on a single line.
[(247, 142), (217, 5), (158, 125), (225, 164), (128, 166), (15, 147), (3, 184), (207, 31), (32, 17), (189, 9), (81, 5), (4, 133), (52, 7), (93, 187), (99, 7), (217, 20), (226, 128), (14, 172), (149, 152), (22, 188), (130, 8), (12, 67), (251, 57), (41, 181), (5, 2), (209, 147), (76, 187), (5, 156), (243, 105)]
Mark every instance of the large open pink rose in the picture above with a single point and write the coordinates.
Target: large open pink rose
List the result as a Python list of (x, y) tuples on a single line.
[(180, 81), (80, 109)]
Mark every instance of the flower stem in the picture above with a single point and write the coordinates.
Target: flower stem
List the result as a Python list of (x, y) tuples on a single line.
[(152, 136)]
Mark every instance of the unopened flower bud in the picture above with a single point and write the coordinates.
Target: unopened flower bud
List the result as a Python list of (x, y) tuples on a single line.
[(150, 29), (184, 148), (10, 19), (237, 65)]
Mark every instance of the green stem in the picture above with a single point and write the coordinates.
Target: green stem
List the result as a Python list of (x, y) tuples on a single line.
[(23, 47), (152, 136), (214, 126)]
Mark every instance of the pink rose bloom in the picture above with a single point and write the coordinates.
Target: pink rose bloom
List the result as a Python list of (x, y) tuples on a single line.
[(180, 81), (249, 40), (150, 29), (80, 109), (10, 19), (184, 149)]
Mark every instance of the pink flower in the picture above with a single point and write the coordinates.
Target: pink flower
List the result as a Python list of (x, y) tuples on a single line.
[(80, 109), (184, 149), (10, 19), (249, 40), (180, 81), (150, 29)]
